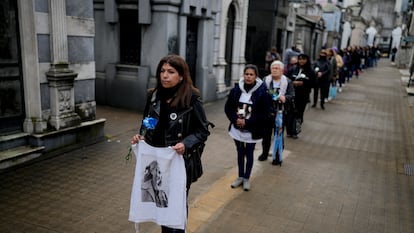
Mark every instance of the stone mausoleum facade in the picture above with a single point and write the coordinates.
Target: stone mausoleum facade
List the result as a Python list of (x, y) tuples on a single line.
[(47, 78)]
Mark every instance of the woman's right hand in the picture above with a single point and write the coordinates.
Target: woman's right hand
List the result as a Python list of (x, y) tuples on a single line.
[(297, 83), (136, 138), (319, 74)]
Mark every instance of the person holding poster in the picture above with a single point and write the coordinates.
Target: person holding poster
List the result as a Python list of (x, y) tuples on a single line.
[(174, 120)]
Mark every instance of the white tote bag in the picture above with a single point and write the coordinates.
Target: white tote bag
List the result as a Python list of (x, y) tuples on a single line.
[(159, 188)]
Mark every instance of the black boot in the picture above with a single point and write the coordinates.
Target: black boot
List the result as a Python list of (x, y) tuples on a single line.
[(276, 161), (263, 157)]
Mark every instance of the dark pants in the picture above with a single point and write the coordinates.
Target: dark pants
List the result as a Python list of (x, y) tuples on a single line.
[(245, 158), (267, 139), (355, 70), (341, 78), (171, 230), (300, 106), (316, 91), (349, 73), (289, 122), (324, 94)]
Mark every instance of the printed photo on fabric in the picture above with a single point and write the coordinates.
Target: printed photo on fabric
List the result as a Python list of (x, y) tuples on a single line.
[(244, 109), (159, 188), (152, 184)]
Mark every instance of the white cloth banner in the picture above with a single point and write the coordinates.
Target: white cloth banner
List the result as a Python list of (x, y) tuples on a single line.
[(159, 188)]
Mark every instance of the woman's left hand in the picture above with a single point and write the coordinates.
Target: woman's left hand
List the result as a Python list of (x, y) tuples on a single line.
[(241, 122), (179, 148)]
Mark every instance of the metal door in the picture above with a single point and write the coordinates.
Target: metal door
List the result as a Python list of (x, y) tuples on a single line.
[(11, 88)]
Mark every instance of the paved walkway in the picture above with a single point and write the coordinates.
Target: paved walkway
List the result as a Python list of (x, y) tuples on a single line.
[(344, 174)]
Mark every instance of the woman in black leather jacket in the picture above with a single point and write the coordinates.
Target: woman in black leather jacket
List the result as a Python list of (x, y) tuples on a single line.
[(176, 105)]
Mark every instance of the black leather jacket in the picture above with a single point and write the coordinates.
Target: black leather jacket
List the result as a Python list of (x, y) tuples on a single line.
[(189, 125)]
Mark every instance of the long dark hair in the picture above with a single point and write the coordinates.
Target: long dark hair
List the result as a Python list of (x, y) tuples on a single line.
[(307, 65), (183, 95)]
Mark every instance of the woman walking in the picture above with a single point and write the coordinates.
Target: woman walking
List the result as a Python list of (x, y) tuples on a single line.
[(173, 102)]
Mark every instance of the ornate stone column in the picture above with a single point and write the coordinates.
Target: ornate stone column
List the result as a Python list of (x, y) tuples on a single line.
[(33, 123), (61, 79)]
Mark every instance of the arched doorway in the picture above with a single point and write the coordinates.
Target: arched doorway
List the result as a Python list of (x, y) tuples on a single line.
[(11, 84), (228, 56)]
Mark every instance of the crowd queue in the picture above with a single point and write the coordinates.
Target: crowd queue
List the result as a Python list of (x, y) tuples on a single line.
[(288, 85), (258, 109)]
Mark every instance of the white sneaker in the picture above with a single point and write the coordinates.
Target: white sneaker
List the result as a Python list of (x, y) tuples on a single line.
[(237, 182), (246, 185), (340, 90)]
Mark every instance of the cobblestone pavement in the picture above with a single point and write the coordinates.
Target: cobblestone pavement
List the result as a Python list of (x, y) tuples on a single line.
[(345, 173)]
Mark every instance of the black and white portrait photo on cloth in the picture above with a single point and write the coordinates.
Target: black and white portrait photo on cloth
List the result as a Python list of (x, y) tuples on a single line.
[(151, 186), (159, 188)]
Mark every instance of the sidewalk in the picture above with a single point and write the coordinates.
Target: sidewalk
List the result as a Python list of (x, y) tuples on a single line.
[(345, 173)]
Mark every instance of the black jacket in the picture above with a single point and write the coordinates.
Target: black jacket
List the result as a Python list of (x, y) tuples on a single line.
[(289, 105), (324, 67), (189, 125), (261, 109), (302, 92)]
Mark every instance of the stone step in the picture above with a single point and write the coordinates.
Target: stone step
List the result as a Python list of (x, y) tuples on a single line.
[(19, 155), (13, 140)]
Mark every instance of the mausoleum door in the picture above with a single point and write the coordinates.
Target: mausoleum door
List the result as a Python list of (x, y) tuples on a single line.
[(11, 84)]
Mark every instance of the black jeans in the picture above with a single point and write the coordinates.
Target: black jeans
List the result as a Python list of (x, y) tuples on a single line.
[(267, 138), (315, 94), (171, 230), (289, 122), (324, 94), (245, 158), (300, 105)]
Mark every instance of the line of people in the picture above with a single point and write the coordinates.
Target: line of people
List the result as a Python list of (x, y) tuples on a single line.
[(253, 105), (256, 108)]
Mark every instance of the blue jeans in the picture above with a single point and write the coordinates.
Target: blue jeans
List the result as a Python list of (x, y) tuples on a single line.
[(245, 152)]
